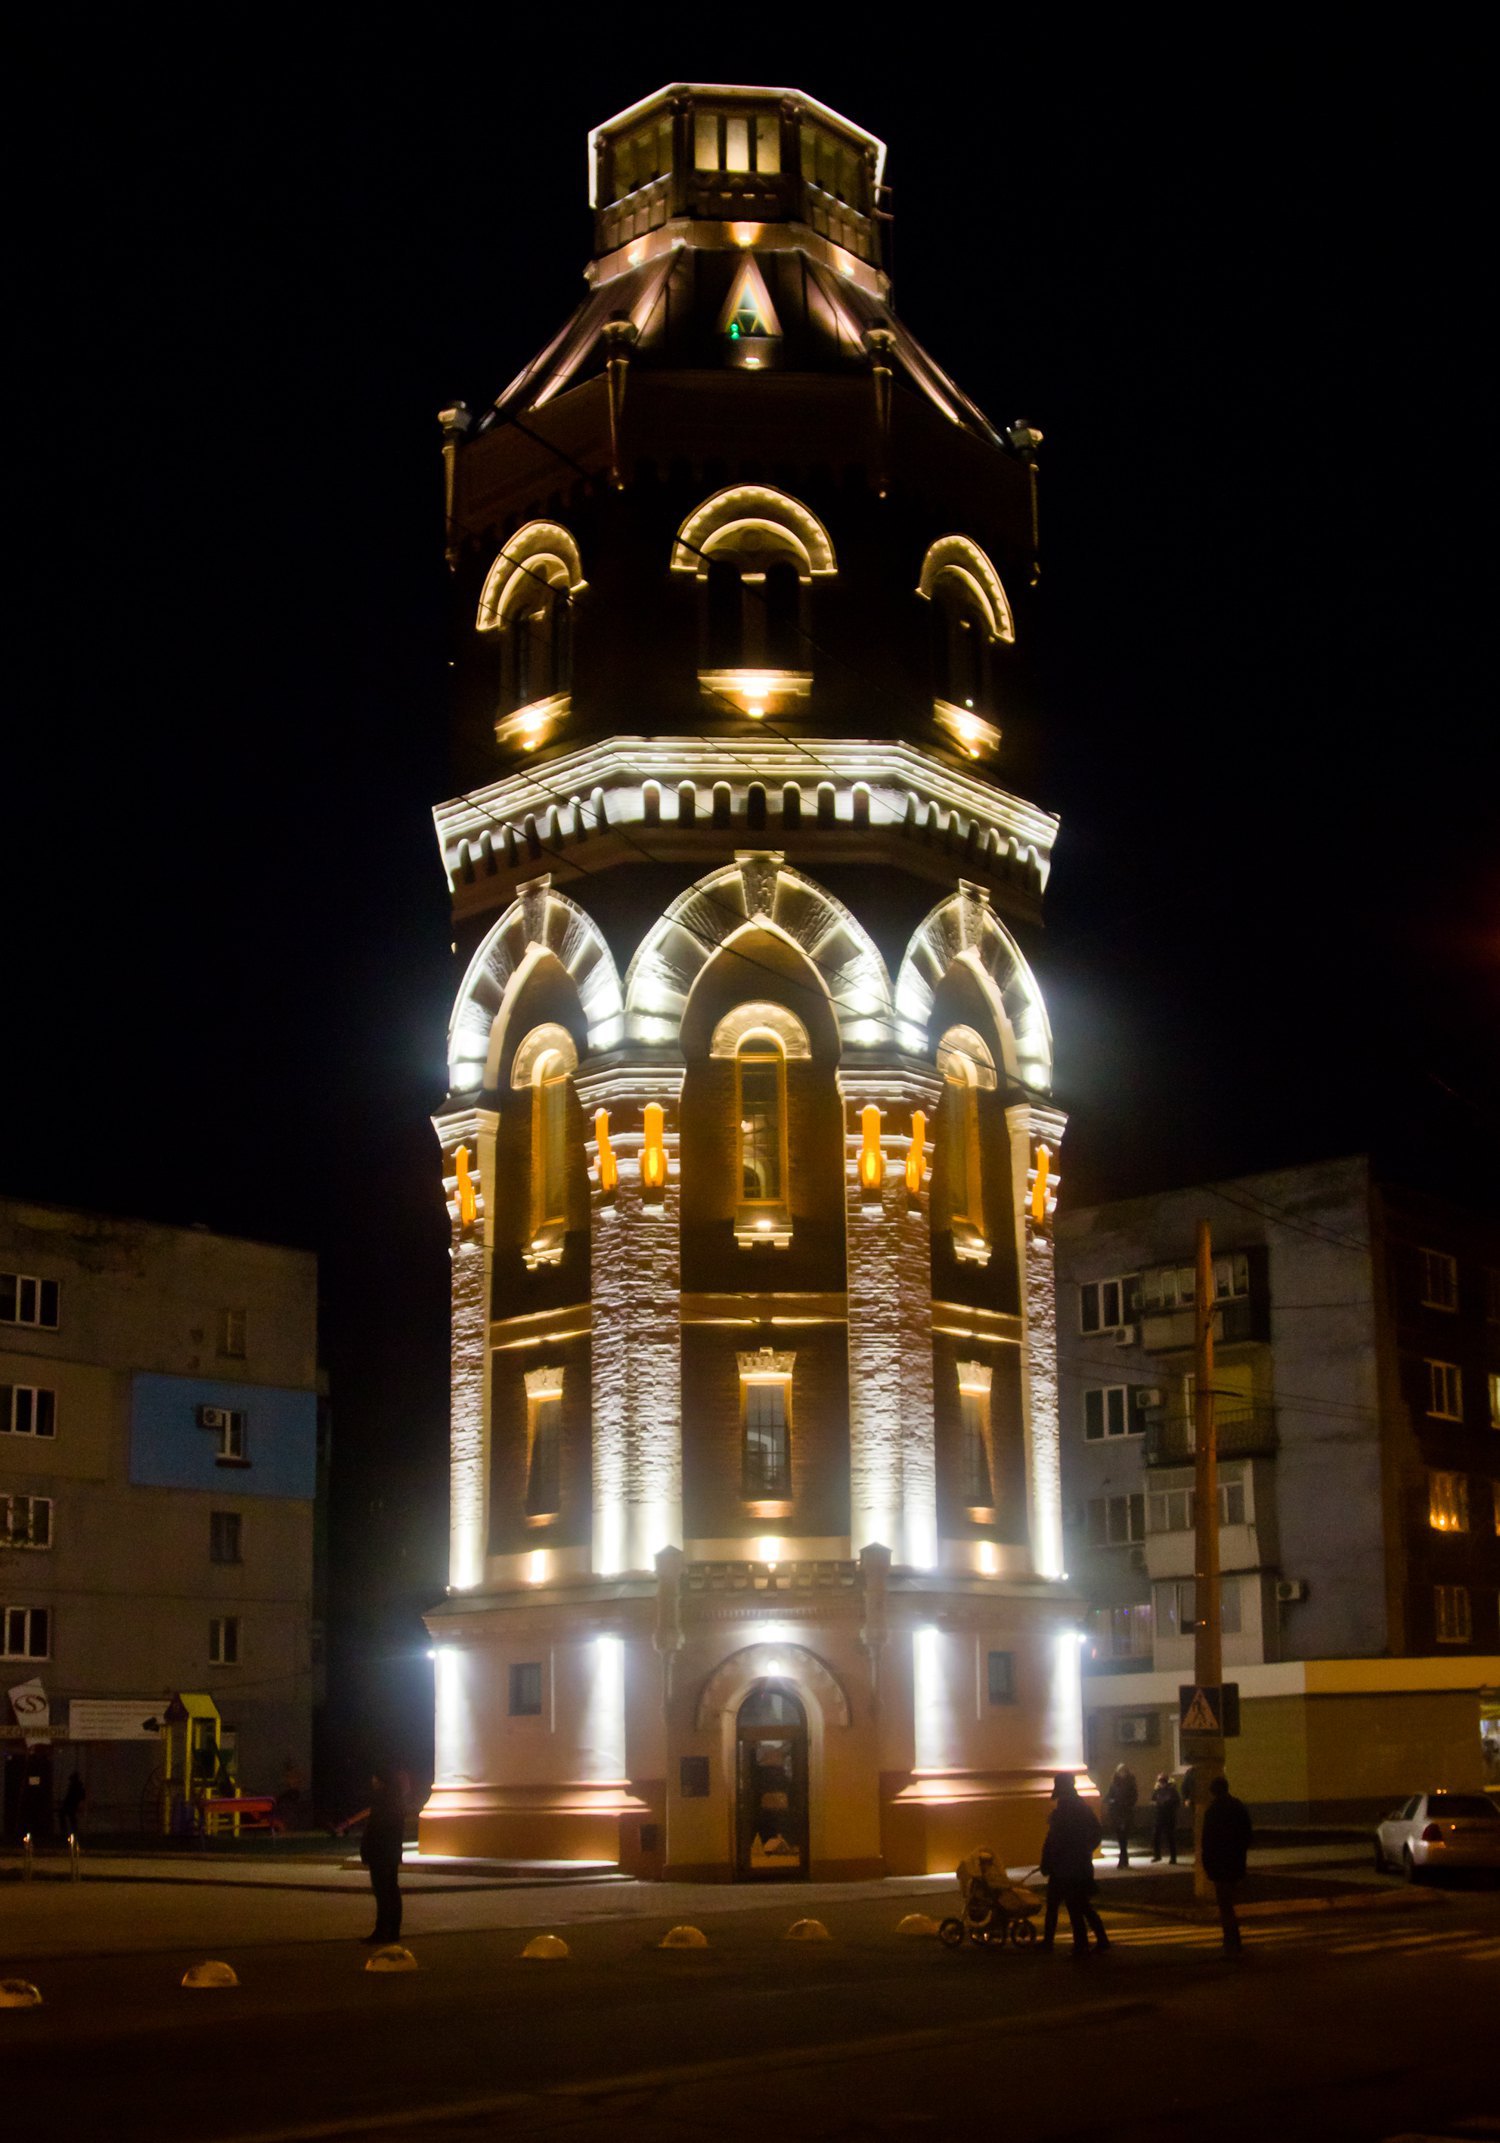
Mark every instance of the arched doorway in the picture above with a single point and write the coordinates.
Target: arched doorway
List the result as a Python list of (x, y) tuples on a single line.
[(771, 1785)]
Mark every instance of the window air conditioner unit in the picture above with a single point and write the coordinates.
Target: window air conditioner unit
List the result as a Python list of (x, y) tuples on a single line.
[(1147, 1395), (1126, 1335), (213, 1417), (1137, 1558), (1291, 1588)]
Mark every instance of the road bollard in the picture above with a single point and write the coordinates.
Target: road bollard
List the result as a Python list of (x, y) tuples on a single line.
[(75, 1867), (26, 1858)]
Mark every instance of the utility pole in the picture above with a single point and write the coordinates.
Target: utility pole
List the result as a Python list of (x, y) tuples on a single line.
[(1205, 1751)]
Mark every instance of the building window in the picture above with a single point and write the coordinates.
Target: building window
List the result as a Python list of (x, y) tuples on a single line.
[(1115, 1521), (960, 1127), (1448, 1502), (224, 1641), (737, 142), (760, 1107), (26, 1300), (767, 1459), (1445, 1391), (232, 1334), (1453, 1623), (1107, 1305), (1492, 1293), (27, 1632), (1123, 1632), (26, 1521), (1172, 1287), (1182, 1608), (1439, 1280), (526, 1690), (230, 1425), (549, 1142), (978, 1491), (1107, 1412), (1001, 1677), (543, 1444), (641, 156), (1494, 1386), (1174, 1510), (224, 1536), (27, 1410), (1495, 1498)]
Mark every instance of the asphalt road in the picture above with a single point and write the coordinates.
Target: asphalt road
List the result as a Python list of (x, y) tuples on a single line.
[(1358, 2026)]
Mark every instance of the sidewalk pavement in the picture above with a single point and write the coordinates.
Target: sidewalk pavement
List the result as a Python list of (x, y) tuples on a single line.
[(148, 1903)]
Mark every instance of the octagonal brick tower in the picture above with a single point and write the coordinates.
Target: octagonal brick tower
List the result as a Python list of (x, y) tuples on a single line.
[(749, 1151)]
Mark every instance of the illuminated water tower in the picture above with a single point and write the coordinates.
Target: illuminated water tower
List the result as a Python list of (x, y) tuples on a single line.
[(750, 1156)]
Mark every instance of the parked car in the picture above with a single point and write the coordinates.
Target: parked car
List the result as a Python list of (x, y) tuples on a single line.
[(1434, 1831)]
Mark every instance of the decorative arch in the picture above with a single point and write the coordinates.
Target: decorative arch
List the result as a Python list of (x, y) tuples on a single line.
[(541, 550), (757, 891), (538, 921), (960, 556), (964, 1054), (760, 1018), (964, 927), (753, 516), (741, 1670), (548, 1040)]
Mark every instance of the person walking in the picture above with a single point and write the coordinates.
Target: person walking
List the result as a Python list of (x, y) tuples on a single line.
[(1073, 1837), (1120, 1802), (1227, 1832), (380, 1850), (1167, 1802)]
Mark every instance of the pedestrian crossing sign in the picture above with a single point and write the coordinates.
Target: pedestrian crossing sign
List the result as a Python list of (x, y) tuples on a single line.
[(1198, 1715), (1203, 1709)]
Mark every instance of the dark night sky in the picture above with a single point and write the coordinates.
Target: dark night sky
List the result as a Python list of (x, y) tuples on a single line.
[(1241, 291)]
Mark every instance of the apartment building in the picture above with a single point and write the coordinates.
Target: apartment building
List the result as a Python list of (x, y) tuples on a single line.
[(1357, 1383), (159, 1471)]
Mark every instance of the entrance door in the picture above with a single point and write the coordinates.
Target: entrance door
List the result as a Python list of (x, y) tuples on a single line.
[(771, 1774)]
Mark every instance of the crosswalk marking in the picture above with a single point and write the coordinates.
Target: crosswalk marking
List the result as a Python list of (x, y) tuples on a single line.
[(1466, 1945)]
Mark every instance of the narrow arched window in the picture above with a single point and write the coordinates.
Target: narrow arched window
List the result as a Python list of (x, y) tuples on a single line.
[(960, 644), (536, 643), (960, 1114), (760, 1082), (549, 1141)]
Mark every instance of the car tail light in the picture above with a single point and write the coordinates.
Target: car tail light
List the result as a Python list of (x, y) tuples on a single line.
[(1433, 1835)]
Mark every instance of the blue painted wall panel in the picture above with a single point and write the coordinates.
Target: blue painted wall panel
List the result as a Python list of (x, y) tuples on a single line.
[(169, 1450)]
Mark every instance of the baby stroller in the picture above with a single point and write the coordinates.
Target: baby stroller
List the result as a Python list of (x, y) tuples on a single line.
[(995, 1910)]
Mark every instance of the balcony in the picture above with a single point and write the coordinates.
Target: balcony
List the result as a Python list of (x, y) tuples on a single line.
[(1240, 1432)]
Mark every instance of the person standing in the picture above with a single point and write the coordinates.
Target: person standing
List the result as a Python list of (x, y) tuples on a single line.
[(1227, 1832), (1120, 1801), (1073, 1837), (1167, 1802), (380, 1850)]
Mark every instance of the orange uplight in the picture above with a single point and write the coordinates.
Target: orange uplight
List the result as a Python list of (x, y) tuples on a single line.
[(609, 1167), (468, 1197), (653, 1150), (915, 1153), (871, 1159), (1039, 1189)]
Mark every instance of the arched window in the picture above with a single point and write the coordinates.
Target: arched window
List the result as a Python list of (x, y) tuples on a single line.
[(755, 552), (970, 612), (967, 1067), (544, 1066), (760, 1104), (549, 1141), (961, 1144), (528, 604)]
